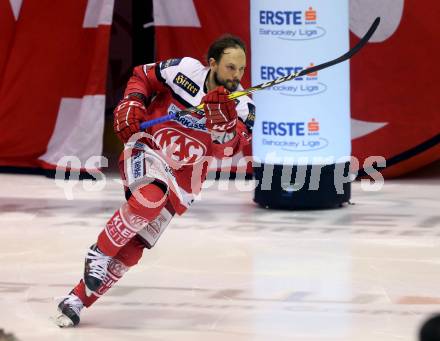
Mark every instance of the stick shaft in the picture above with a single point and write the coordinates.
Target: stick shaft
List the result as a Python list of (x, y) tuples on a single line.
[(236, 94)]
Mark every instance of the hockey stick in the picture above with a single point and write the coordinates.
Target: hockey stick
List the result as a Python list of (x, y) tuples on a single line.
[(279, 80)]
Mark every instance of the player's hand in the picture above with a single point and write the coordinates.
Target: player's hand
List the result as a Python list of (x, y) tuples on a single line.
[(128, 115), (220, 112)]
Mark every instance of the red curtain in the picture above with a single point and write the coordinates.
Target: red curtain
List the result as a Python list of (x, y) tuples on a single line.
[(53, 63)]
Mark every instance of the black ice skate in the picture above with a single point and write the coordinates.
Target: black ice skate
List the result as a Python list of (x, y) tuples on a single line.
[(95, 269), (69, 308)]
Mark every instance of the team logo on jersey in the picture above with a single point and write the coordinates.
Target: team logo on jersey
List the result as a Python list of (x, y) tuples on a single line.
[(180, 146), (186, 84), (170, 62)]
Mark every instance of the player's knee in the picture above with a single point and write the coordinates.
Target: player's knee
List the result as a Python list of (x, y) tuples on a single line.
[(147, 201)]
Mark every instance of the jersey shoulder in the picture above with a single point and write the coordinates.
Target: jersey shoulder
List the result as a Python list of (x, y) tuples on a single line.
[(184, 76)]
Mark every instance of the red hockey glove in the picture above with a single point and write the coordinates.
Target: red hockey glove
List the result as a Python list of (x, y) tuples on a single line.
[(221, 115), (129, 113)]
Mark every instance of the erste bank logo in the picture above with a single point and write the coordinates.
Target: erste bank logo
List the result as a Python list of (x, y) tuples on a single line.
[(307, 85), (290, 24), (301, 136)]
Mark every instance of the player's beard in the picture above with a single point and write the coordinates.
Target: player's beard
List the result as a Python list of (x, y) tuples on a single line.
[(230, 85)]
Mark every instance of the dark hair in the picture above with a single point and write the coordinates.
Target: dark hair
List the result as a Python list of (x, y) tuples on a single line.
[(218, 46)]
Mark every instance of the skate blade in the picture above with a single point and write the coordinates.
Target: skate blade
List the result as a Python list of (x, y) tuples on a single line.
[(62, 321)]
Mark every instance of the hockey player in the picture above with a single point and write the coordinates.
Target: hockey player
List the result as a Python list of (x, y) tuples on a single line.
[(163, 168)]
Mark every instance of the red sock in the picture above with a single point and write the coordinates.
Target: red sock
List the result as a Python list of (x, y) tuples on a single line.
[(142, 207)]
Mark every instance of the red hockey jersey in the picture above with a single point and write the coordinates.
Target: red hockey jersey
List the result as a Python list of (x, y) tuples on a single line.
[(173, 85)]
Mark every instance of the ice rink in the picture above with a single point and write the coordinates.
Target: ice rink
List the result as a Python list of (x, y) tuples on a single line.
[(227, 270)]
